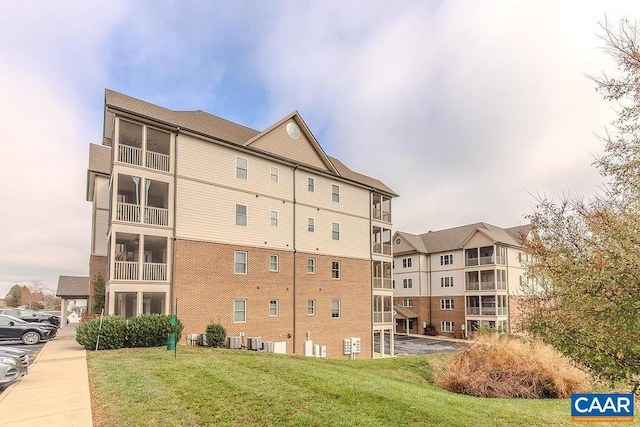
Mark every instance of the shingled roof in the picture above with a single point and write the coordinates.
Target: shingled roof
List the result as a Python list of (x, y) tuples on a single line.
[(217, 128), (73, 287), (455, 238)]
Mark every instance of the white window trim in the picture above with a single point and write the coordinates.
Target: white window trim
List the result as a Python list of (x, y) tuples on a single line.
[(276, 175), (271, 218), (246, 262), (311, 188), (277, 308), (447, 326), (277, 262), (334, 231), (311, 225), (444, 305), (313, 307), (339, 309), (243, 311), (338, 270), (313, 265), (246, 170), (246, 215), (335, 186)]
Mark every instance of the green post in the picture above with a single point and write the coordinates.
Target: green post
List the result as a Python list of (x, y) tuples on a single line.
[(171, 340)]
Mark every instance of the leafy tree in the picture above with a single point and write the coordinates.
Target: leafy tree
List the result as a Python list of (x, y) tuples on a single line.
[(14, 296), (585, 278), (98, 293)]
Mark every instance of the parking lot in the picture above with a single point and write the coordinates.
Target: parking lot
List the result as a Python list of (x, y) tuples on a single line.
[(31, 349), (404, 344)]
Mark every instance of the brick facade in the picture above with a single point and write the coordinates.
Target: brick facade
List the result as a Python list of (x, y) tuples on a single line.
[(206, 287), (429, 310)]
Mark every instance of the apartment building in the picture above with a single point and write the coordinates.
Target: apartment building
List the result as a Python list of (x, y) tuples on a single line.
[(458, 279), (260, 231)]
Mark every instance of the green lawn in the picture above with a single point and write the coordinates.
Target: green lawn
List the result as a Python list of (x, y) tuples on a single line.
[(148, 387)]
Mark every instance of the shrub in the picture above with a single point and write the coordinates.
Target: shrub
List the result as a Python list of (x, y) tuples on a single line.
[(151, 330), (112, 333), (506, 367), (430, 330), (216, 335)]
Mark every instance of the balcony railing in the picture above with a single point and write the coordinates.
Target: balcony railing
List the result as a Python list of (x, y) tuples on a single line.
[(126, 270), (473, 311), (382, 248), (488, 285), (154, 271), (486, 311), (472, 286), (156, 216), (382, 283), (502, 285), (381, 215), (157, 161), (130, 155), (128, 212), (484, 260), (382, 317), (471, 261), (502, 311)]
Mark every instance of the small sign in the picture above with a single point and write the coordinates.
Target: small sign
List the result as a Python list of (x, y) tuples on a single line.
[(602, 408)]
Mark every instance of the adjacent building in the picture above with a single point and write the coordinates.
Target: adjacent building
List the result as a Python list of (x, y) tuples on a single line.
[(260, 231), (458, 279)]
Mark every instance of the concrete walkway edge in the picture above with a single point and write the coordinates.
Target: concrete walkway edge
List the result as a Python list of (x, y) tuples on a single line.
[(56, 389)]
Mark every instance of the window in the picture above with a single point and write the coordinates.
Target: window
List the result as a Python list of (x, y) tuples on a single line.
[(273, 308), (241, 215), (240, 262), (273, 218), (446, 259), (407, 303), (274, 174), (239, 311), (311, 185), (335, 269), (273, 262), (407, 283), (311, 265), (406, 262), (446, 304), (241, 168), (335, 193), (311, 307), (446, 326), (311, 225), (446, 282), (335, 231), (335, 309)]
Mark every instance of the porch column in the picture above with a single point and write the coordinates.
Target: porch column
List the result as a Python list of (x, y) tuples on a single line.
[(63, 307)]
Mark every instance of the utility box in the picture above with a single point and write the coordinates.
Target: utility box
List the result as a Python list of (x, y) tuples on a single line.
[(254, 343), (323, 351), (234, 342), (280, 347), (192, 339), (316, 350), (267, 346), (352, 345), (308, 348)]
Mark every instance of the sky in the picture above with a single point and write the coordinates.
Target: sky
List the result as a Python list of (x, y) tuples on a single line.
[(467, 109)]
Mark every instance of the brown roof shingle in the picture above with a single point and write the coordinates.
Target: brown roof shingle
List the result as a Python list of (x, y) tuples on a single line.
[(73, 286)]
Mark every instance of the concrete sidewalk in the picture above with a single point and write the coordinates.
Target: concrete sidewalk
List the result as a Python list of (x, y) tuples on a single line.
[(55, 392)]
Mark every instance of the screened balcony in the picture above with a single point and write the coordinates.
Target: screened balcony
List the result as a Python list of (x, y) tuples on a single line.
[(382, 275), (137, 143), (381, 241), (382, 309), (487, 305), (132, 264), (156, 200), (381, 209)]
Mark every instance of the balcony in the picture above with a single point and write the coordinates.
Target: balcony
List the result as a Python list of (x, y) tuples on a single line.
[(126, 270), (382, 248), (381, 215), (469, 262), (128, 212), (156, 216), (157, 161), (472, 286), (489, 285), (382, 317), (154, 271), (382, 283), (130, 155)]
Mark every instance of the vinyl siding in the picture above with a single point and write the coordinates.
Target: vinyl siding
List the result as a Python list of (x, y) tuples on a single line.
[(101, 224), (101, 193)]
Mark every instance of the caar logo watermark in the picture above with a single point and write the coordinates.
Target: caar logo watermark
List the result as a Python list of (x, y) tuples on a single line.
[(602, 408)]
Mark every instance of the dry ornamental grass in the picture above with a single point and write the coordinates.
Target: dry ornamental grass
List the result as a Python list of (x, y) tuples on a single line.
[(506, 367)]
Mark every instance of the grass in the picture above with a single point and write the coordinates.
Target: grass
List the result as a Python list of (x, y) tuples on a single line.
[(202, 386)]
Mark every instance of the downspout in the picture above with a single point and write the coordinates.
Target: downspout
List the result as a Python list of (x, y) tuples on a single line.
[(294, 259), (371, 282), (172, 290), (508, 331), (430, 288)]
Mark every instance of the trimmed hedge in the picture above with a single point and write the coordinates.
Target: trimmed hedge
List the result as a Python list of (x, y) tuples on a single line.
[(112, 334), (151, 330), (216, 335), (146, 330)]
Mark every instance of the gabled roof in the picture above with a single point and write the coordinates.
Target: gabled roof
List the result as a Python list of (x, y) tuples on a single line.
[(224, 131), (73, 287), (455, 238), (99, 164), (403, 312)]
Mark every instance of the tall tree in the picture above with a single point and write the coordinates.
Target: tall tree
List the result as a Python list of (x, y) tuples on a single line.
[(14, 296), (98, 296), (585, 277)]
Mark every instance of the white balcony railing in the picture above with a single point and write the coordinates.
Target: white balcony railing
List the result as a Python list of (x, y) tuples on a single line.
[(382, 283), (471, 261), (473, 311), (484, 260), (488, 285), (382, 248), (126, 270), (154, 271), (472, 286), (157, 161), (387, 283), (128, 212), (130, 155), (156, 216)]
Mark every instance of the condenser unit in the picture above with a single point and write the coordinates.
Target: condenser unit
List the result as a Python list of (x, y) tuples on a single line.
[(268, 346), (254, 343), (234, 342)]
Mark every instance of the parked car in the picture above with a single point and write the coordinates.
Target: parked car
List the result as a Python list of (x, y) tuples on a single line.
[(12, 328), (8, 373), (31, 316), (22, 355)]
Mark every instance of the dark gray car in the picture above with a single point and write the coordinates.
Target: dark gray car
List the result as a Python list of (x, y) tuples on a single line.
[(31, 316)]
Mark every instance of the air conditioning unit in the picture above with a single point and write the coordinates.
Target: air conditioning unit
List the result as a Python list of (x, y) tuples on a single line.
[(192, 339), (268, 346), (234, 342), (254, 343)]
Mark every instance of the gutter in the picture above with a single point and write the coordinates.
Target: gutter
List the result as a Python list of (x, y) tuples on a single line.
[(172, 290), (295, 253)]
